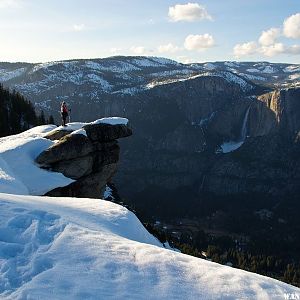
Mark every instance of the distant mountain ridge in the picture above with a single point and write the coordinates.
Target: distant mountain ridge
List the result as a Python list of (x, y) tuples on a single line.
[(90, 80)]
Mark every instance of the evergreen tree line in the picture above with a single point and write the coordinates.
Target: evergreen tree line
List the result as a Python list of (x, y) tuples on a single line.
[(17, 114)]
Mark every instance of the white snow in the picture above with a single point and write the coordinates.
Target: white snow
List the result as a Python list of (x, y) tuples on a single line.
[(234, 145), (6, 75), (18, 172), (80, 131), (174, 80), (104, 84), (77, 126), (252, 77), (231, 146), (237, 80), (209, 66), (68, 248), (112, 66), (253, 70), (108, 193), (230, 77), (231, 64), (111, 121), (294, 76), (172, 73), (268, 70), (147, 62), (73, 126), (292, 68), (66, 64), (129, 91)]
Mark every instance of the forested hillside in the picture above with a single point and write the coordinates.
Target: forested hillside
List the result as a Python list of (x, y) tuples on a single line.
[(17, 114)]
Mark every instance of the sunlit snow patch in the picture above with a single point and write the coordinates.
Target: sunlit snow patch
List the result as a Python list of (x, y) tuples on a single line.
[(231, 146)]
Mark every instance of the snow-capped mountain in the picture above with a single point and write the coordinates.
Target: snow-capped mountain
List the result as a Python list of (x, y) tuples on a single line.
[(71, 248), (92, 80)]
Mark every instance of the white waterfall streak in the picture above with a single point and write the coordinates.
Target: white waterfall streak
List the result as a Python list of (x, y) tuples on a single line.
[(244, 127)]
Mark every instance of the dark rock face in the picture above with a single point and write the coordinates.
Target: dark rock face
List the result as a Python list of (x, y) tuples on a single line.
[(69, 147), (92, 162), (106, 132), (268, 163), (181, 152)]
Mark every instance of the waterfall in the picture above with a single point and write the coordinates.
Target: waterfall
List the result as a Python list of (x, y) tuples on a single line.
[(244, 127)]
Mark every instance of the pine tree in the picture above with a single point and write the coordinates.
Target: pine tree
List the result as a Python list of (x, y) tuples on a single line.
[(16, 113)]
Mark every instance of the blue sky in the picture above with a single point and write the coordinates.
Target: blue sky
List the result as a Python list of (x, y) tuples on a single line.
[(187, 31)]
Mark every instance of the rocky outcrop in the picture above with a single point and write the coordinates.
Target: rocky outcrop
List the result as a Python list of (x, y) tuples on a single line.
[(89, 157), (286, 106)]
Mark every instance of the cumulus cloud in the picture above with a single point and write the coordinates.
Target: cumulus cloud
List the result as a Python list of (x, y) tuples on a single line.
[(199, 42), (291, 26), (168, 48), (78, 27), (268, 51), (272, 50), (268, 45), (295, 49), (188, 12), (139, 50), (116, 50), (269, 37), (245, 49), (185, 59)]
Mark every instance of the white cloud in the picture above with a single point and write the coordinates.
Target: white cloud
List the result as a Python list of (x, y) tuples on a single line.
[(188, 12), (199, 42), (10, 4), (291, 26), (116, 51), (168, 48), (245, 49), (79, 27), (139, 50), (295, 49), (273, 50), (268, 51), (269, 37), (268, 40), (185, 59)]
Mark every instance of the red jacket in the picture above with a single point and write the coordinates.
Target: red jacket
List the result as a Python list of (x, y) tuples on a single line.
[(64, 108)]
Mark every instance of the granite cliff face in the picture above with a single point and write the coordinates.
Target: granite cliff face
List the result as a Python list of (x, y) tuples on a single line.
[(286, 106), (187, 147), (268, 163), (89, 157)]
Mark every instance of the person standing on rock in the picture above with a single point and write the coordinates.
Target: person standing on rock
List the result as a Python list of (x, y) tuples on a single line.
[(64, 113)]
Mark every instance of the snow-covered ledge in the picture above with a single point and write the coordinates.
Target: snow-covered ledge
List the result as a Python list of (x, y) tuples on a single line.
[(74, 156)]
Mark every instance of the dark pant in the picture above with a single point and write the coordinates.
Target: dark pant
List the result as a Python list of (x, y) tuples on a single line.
[(64, 118)]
